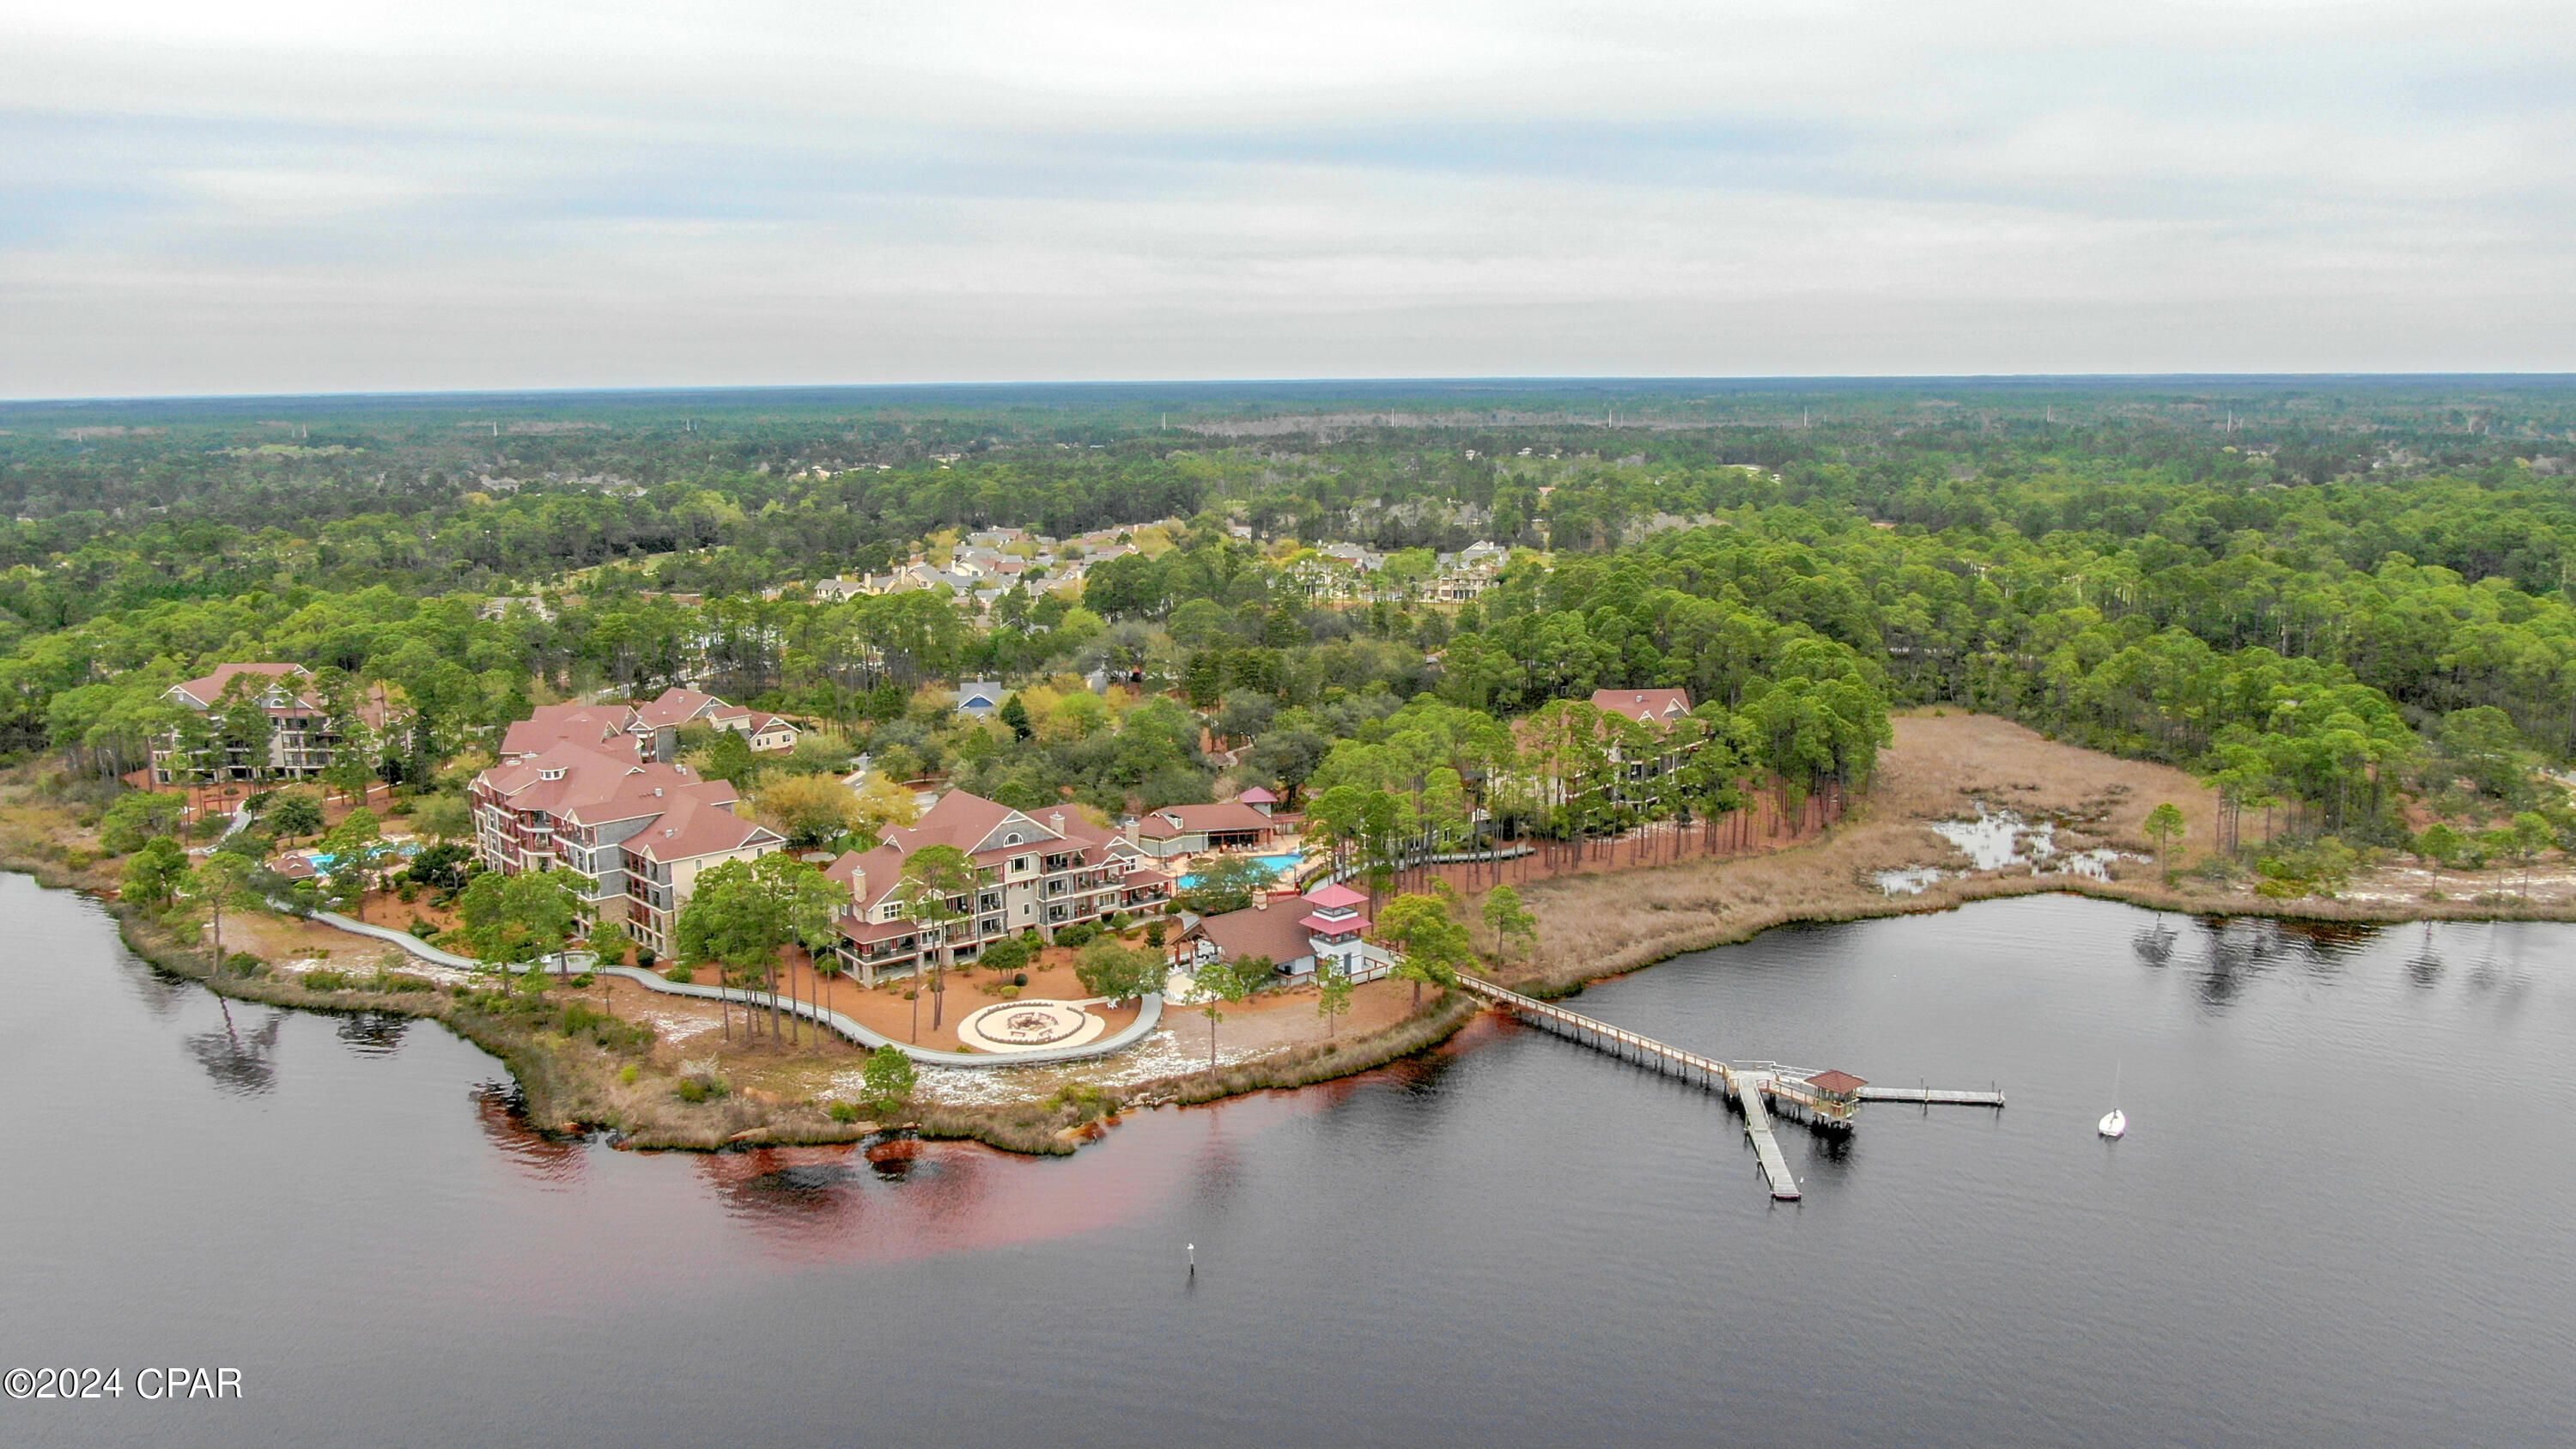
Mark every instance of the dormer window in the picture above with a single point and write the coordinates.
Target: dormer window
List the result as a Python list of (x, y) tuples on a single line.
[(553, 774)]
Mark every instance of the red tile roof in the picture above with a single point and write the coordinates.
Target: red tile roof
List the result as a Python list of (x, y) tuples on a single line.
[(1335, 896), (675, 706), (1654, 706), (1841, 1084), (208, 688), (692, 827), (588, 724), (1178, 820), (1248, 932)]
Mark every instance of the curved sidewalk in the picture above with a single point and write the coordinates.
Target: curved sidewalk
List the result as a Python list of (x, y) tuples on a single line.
[(1149, 1017)]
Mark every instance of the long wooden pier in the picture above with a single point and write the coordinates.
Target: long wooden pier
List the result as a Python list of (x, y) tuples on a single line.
[(1766, 1148), (1936, 1096), (1748, 1083)]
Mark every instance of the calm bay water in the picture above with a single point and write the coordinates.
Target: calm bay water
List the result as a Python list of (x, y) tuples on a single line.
[(2346, 1214)]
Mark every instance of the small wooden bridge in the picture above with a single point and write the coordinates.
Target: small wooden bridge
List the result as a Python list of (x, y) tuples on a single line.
[(1830, 1101)]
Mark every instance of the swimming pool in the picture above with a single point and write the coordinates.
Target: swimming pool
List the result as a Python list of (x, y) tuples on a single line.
[(1282, 865)]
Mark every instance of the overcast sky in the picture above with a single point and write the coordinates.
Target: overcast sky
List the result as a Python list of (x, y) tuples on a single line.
[(257, 197)]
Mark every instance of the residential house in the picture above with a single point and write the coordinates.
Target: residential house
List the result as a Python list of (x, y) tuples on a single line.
[(1465, 575), (981, 698), (1036, 871)]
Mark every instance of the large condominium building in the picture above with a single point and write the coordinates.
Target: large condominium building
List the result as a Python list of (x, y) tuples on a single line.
[(1036, 870), (638, 833), (649, 731), (303, 740)]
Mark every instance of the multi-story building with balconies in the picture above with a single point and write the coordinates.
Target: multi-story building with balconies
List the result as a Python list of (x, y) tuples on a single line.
[(637, 833), (1036, 871), (650, 731), (303, 737)]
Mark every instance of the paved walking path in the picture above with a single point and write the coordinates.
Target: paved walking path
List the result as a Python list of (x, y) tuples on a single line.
[(1143, 1026)]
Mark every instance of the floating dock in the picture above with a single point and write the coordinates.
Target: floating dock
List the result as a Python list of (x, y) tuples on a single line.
[(1827, 1106)]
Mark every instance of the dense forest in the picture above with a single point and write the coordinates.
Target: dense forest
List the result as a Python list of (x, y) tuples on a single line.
[(2347, 604)]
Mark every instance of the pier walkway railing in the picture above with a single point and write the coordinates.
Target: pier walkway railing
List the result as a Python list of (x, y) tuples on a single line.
[(1747, 1083)]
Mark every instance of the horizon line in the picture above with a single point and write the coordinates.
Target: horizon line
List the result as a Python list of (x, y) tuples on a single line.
[(651, 390)]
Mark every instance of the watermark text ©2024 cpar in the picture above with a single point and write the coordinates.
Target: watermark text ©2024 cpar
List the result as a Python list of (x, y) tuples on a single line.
[(149, 1384)]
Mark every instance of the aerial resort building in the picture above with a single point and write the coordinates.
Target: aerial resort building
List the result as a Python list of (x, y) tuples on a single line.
[(1324, 928), (1036, 871)]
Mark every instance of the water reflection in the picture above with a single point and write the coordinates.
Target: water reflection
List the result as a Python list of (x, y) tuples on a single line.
[(2155, 944), (502, 1110), (797, 1189), (2425, 967), (2326, 939), (374, 1033), (2237, 952), (161, 993), (242, 1061), (893, 1157)]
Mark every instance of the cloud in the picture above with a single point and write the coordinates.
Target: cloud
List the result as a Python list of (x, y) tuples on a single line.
[(301, 197)]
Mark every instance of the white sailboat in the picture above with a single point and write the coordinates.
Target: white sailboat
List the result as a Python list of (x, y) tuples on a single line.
[(2115, 1123)]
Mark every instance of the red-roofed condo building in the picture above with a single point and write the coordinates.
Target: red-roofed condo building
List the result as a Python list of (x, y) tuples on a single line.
[(637, 832), (1038, 870), (650, 730), (303, 739), (1645, 706)]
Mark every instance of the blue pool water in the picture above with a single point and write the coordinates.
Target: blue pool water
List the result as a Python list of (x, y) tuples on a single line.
[(1283, 865)]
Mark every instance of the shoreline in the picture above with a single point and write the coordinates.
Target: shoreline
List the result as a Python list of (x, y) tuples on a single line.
[(1943, 766), (582, 1070), (560, 1086), (1548, 984), (568, 1089)]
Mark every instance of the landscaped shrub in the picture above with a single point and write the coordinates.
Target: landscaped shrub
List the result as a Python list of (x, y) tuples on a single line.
[(1077, 935), (685, 975), (1020, 979)]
